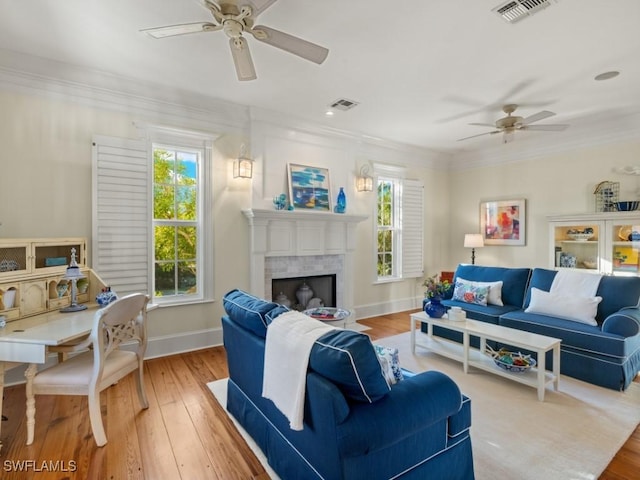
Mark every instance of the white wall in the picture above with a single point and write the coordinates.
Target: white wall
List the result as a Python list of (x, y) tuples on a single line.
[(553, 184)]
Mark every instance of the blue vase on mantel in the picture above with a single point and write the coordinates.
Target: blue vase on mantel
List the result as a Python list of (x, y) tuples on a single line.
[(341, 204), (434, 308)]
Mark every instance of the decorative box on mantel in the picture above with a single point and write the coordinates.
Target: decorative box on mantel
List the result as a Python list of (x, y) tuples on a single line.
[(295, 242)]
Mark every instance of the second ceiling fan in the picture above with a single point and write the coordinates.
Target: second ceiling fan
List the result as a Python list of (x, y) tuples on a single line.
[(511, 123), (235, 18)]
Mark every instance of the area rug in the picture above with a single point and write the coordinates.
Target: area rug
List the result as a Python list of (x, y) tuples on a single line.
[(573, 434)]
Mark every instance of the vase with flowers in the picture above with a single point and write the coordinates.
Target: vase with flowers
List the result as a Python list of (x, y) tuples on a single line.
[(434, 291)]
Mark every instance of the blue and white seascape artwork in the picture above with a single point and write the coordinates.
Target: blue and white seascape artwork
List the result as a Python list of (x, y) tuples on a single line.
[(309, 188)]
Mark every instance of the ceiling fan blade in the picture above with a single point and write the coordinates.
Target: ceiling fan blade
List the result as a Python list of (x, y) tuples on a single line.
[(181, 29), (537, 117), (289, 43), (479, 135), (484, 125), (547, 128), (242, 59), (257, 6)]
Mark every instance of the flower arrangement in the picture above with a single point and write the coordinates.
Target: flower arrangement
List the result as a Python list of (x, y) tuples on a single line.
[(434, 287)]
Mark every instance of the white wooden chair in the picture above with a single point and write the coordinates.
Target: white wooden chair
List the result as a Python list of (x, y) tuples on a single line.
[(92, 371)]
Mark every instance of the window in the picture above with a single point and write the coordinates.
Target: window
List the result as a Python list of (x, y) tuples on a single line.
[(175, 220), (388, 228), (151, 215), (399, 229)]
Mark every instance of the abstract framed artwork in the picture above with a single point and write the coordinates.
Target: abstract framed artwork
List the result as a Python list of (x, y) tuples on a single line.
[(309, 187), (503, 222)]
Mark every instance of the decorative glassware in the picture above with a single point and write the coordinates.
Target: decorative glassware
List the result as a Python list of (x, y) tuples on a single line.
[(341, 204)]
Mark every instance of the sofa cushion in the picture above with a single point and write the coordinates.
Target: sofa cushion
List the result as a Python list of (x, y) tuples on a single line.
[(575, 335), (390, 360), (348, 359), (579, 309), (616, 292), (514, 280), (253, 313), (495, 290), (471, 292)]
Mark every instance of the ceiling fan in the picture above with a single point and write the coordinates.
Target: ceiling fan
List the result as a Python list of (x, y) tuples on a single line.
[(235, 17), (511, 123)]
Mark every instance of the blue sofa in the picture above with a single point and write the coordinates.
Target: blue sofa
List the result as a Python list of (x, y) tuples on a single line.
[(606, 354), (418, 428)]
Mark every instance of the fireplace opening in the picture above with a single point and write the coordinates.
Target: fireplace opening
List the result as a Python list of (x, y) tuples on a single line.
[(320, 291)]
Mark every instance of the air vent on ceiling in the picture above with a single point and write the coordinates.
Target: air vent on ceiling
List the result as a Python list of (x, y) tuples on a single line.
[(344, 104), (515, 10)]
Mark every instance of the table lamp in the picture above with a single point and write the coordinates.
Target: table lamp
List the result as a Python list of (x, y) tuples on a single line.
[(73, 274), (473, 241)]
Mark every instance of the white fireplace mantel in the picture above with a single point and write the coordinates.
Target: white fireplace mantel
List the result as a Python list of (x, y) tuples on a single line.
[(297, 233)]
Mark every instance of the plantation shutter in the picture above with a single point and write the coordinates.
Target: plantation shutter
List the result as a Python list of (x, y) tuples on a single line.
[(121, 216), (412, 211)]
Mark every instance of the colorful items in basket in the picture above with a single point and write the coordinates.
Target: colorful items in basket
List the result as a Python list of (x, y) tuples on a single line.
[(515, 362), (580, 235), (327, 313)]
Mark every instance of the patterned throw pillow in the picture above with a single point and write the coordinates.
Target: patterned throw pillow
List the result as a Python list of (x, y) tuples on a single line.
[(390, 362), (471, 293)]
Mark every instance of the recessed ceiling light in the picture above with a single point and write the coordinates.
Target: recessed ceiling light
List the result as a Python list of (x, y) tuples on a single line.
[(329, 113), (607, 75)]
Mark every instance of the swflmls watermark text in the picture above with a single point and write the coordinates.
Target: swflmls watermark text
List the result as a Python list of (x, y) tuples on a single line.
[(40, 466)]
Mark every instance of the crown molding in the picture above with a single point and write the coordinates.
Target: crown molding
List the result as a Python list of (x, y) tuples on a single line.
[(151, 102)]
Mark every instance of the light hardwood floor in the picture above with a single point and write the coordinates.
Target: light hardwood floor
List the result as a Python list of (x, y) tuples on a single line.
[(183, 435)]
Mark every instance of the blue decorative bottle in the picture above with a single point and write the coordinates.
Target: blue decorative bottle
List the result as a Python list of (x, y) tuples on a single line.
[(341, 204)]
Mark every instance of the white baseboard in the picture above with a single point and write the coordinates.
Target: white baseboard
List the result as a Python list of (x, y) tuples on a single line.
[(385, 308), (211, 337), (156, 347)]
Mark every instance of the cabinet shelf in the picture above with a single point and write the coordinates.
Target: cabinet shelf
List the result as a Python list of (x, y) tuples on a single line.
[(607, 250), (34, 269)]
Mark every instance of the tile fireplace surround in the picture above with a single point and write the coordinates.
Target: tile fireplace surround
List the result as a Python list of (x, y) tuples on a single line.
[(286, 244)]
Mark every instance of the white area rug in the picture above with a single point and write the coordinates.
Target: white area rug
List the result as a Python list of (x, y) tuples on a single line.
[(573, 434)]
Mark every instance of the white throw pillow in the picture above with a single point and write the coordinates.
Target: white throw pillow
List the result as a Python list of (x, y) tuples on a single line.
[(579, 309), (495, 290)]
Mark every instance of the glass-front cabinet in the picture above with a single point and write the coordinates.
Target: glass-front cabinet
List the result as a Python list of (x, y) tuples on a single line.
[(600, 242)]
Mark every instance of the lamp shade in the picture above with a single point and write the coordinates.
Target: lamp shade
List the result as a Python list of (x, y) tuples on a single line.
[(473, 240)]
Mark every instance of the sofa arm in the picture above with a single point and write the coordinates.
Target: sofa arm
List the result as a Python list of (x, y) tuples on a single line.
[(625, 322), (430, 397)]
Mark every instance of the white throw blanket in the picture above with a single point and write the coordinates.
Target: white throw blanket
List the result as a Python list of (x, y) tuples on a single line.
[(290, 338), (575, 283)]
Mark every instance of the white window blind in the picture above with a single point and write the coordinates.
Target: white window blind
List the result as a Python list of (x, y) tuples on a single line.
[(412, 221), (121, 216)]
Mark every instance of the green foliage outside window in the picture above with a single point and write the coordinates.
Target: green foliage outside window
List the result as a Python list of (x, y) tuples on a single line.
[(175, 222), (385, 228)]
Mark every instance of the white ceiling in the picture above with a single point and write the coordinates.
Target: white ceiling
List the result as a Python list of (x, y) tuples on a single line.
[(421, 70)]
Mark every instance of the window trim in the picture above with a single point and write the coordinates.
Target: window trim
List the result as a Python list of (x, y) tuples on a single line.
[(188, 140)]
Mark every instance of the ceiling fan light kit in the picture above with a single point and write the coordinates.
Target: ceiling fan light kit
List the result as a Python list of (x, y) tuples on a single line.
[(234, 20)]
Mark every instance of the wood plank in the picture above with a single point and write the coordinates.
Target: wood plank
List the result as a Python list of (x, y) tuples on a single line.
[(156, 453), (123, 449)]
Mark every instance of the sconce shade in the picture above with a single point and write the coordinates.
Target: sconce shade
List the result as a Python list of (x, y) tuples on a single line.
[(243, 168), (364, 183), (473, 240)]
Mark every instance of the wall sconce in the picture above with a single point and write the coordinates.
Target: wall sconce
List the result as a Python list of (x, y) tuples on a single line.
[(364, 182), (243, 165), (473, 241)]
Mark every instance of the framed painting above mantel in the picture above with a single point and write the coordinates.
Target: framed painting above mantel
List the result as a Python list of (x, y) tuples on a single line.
[(502, 222), (309, 187)]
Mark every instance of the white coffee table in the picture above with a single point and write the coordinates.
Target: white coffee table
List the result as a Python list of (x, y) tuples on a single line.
[(536, 377)]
